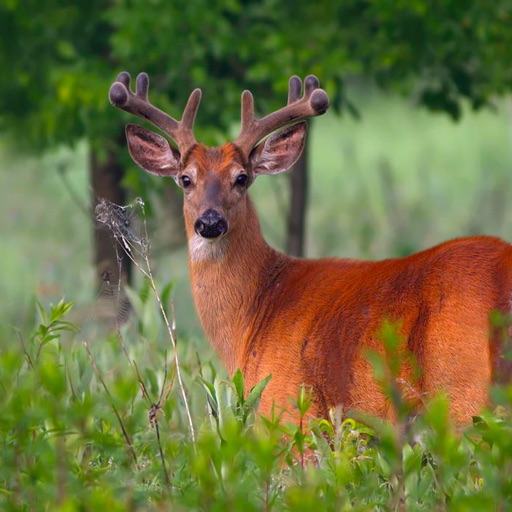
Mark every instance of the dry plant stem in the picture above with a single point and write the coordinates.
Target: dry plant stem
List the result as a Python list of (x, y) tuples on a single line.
[(161, 400), (153, 422), (162, 458), (164, 393), (118, 416), (142, 386), (171, 331), (172, 336), (120, 231), (120, 338)]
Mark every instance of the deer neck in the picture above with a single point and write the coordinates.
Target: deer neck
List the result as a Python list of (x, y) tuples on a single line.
[(226, 276)]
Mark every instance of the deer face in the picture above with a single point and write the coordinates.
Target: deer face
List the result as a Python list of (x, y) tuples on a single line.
[(215, 180), (214, 183)]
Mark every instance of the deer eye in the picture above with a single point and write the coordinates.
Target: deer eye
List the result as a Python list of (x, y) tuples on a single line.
[(241, 180), (185, 181)]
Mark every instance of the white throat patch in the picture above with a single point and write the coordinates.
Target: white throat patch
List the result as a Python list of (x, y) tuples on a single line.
[(201, 249)]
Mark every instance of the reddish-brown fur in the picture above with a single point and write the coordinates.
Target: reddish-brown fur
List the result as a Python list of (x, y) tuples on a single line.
[(312, 321)]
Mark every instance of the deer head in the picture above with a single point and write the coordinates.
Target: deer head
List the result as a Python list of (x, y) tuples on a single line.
[(215, 180)]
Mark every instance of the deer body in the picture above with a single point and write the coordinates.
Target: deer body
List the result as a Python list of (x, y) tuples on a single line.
[(312, 321)]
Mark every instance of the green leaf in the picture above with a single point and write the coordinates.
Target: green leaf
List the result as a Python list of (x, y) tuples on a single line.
[(238, 382), (211, 396), (254, 397), (412, 458)]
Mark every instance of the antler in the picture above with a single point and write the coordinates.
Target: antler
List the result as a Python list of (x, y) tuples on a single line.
[(138, 104), (314, 102)]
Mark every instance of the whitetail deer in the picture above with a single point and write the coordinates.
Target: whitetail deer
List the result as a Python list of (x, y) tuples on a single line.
[(311, 321)]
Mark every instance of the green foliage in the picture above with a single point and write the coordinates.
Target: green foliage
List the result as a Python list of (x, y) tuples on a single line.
[(230, 396), (75, 435), (57, 57), (62, 56)]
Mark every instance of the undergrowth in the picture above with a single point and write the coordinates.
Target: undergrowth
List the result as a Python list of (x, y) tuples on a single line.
[(84, 427), (130, 421)]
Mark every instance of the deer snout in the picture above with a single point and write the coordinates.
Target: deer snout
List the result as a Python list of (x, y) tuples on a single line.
[(211, 224)]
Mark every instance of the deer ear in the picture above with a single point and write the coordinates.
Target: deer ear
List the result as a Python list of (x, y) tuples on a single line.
[(152, 152), (280, 151)]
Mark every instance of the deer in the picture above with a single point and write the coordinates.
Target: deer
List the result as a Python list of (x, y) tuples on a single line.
[(311, 322)]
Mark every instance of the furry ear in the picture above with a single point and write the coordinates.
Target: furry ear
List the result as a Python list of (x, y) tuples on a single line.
[(280, 151), (152, 152)]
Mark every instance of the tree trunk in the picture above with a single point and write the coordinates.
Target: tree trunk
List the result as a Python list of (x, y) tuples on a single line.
[(106, 175), (298, 203)]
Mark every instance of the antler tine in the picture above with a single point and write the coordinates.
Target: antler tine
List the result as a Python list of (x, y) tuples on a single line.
[(294, 87), (314, 102), (310, 84), (247, 111), (137, 103), (189, 114)]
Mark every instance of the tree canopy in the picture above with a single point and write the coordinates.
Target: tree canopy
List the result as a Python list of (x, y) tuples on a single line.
[(61, 57)]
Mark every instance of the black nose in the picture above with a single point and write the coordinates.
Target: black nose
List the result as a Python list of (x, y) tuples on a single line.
[(211, 224)]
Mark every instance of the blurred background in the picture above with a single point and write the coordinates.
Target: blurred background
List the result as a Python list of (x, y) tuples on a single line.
[(415, 149)]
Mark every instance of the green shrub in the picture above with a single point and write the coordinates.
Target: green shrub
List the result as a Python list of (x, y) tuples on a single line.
[(84, 427)]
